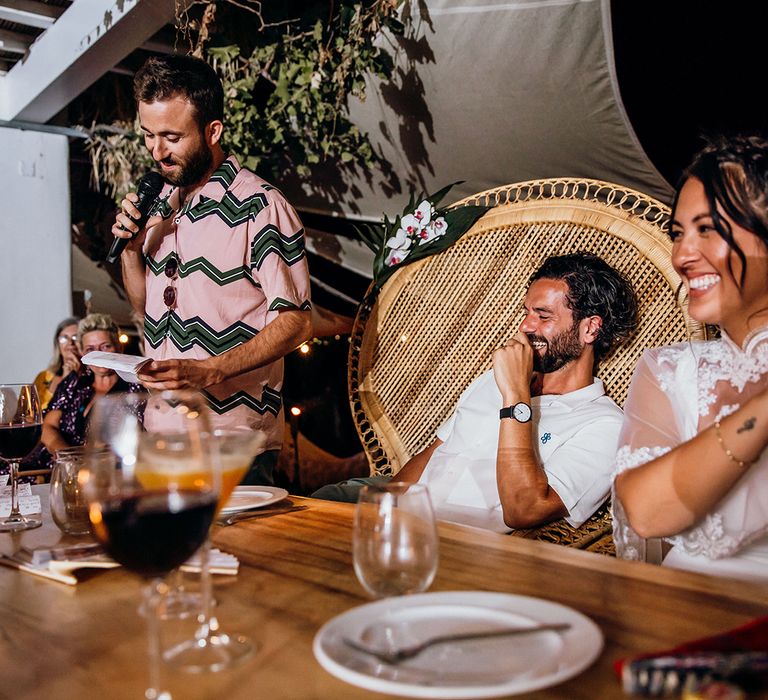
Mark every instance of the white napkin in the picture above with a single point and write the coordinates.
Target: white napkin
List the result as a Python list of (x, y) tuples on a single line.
[(218, 562), (59, 563)]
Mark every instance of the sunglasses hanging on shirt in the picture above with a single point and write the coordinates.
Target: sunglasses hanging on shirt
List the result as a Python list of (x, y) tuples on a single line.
[(171, 272)]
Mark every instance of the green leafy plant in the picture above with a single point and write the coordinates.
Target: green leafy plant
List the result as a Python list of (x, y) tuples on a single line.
[(287, 80), (118, 156)]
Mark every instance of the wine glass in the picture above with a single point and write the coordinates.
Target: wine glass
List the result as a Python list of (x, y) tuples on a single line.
[(21, 425), (235, 450), (213, 649), (394, 539), (151, 495)]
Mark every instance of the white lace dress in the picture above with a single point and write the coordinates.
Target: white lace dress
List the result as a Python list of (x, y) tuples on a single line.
[(676, 392)]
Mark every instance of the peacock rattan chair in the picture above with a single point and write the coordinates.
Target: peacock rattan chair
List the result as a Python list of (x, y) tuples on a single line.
[(436, 322)]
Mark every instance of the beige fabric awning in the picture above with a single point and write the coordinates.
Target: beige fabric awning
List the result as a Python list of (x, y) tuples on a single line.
[(493, 92)]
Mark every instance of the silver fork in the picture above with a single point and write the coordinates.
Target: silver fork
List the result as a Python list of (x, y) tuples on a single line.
[(395, 656)]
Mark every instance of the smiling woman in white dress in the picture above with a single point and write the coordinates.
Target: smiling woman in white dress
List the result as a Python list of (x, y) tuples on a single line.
[(691, 481)]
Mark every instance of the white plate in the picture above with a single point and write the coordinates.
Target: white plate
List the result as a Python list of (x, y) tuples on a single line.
[(249, 497), (471, 669)]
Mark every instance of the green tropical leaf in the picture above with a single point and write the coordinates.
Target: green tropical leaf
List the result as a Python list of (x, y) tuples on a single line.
[(439, 196), (372, 235)]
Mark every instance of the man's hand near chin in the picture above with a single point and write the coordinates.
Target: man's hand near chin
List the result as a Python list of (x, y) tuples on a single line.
[(179, 374), (513, 368)]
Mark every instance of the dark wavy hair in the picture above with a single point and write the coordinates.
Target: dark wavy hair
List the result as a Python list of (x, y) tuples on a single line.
[(165, 77), (734, 172), (595, 289)]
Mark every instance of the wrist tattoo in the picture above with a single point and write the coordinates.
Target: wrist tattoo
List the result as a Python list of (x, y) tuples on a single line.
[(748, 425)]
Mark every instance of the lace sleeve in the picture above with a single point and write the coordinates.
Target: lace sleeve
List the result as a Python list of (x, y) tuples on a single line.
[(652, 417), (651, 428)]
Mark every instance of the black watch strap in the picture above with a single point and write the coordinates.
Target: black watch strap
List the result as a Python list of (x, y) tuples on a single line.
[(521, 412)]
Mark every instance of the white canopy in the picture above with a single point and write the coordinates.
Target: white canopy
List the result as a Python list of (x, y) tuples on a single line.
[(495, 92)]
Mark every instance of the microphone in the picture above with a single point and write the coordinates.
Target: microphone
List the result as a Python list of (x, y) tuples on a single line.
[(149, 190)]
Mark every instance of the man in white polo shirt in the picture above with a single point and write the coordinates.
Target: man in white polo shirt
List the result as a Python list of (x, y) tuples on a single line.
[(534, 438)]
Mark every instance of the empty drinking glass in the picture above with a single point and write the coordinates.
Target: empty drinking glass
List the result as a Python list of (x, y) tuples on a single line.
[(394, 541), (69, 507)]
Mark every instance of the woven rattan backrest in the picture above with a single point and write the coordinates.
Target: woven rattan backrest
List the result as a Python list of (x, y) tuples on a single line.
[(436, 322)]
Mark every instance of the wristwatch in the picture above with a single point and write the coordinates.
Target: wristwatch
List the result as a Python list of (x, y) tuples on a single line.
[(521, 412)]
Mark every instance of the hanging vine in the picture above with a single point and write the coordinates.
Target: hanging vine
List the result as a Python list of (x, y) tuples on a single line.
[(288, 69)]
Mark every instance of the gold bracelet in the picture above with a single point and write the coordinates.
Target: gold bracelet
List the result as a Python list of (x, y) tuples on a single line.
[(741, 464)]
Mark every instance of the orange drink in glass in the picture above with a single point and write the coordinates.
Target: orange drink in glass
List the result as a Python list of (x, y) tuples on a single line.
[(157, 466), (236, 451)]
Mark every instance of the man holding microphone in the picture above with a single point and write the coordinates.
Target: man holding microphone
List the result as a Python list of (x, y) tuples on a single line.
[(219, 271)]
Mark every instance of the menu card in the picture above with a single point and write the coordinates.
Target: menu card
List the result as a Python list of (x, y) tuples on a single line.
[(28, 504), (126, 366)]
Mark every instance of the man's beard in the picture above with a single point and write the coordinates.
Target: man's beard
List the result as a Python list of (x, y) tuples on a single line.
[(193, 170), (562, 349)]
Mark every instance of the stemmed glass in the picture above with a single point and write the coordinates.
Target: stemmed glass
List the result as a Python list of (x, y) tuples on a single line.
[(212, 649), (150, 513), (235, 450), (394, 539), (21, 425)]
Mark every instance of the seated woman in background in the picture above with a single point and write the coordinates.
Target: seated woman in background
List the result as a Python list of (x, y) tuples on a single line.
[(66, 421), (691, 467), (66, 359)]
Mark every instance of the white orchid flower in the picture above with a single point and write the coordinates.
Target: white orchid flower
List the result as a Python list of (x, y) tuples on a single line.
[(423, 213), (410, 224), (435, 229), (400, 241), (413, 223), (395, 256)]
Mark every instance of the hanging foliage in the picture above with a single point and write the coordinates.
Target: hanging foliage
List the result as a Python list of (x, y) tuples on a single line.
[(288, 69)]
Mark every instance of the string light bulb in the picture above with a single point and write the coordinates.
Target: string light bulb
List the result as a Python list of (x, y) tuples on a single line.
[(295, 411), (304, 348)]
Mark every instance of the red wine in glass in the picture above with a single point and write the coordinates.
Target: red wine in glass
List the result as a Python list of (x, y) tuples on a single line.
[(150, 528), (153, 532), (20, 430), (17, 441)]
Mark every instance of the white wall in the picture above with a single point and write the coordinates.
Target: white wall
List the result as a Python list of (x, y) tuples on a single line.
[(35, 257)]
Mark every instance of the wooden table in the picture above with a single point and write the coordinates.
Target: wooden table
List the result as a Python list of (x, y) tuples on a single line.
[(59, 642)]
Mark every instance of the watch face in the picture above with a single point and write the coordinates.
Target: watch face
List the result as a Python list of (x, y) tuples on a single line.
[(522, 412)]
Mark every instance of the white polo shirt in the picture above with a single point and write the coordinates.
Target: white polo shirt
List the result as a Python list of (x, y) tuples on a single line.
[(576, 437)]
